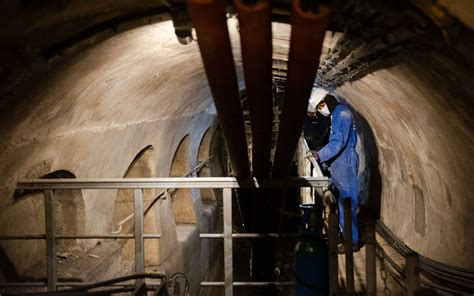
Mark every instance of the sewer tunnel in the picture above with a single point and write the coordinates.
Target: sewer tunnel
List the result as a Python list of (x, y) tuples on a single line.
[(107, 90)]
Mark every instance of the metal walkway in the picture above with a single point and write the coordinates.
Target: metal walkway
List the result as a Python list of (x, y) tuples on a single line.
[(140, 288)]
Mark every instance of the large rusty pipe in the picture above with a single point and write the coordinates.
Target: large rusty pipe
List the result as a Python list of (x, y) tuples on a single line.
[(209, 20), (307, 34), (256, 41), (256, 44)]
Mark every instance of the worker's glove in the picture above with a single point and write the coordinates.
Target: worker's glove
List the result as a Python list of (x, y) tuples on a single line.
[(315, 154), (312, 153), (325, 168)]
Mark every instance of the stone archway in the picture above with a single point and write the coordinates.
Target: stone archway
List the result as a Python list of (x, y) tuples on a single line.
[(142, 166), (207, 194), (183, 205), (28, 207)]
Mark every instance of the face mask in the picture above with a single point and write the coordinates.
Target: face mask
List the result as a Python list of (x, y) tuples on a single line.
[(324, 111)]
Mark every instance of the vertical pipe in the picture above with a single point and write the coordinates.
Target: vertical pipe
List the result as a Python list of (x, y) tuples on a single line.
[(370, 271), (332, 245), (228, 265), (256, 45), (348, 246), (256, 40), (210, 23), (307, 34), (139, 249), (50, 224)]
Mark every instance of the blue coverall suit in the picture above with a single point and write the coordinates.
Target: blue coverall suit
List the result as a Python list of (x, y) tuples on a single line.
[(341, 154)]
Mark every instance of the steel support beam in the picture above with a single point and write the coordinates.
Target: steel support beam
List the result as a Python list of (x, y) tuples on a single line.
[(307, 34), (248, 284), (139, 243), (255, 28), (228, 252), (348, 246), (333, 231), (412, 277), (370, 265), (210, 22), (50, 224)]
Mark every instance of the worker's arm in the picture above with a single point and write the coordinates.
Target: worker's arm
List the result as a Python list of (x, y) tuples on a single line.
[(339, 136)]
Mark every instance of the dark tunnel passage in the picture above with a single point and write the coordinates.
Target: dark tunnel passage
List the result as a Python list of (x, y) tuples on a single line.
[(85, 87)]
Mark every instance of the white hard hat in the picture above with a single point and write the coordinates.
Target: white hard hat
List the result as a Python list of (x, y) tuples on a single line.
[(317, 95)]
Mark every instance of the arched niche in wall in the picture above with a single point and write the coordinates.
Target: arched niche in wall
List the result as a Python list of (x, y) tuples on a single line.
[(26, 217), (183, 206), (207, 194), (142, 166), (69, 213), (219, 166)]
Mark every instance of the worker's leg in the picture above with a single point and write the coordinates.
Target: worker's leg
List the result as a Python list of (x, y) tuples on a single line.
[(344, 177), (355, 230)]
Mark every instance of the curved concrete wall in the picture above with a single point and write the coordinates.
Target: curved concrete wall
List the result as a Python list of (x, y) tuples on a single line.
[(419, 108), (93, 113)]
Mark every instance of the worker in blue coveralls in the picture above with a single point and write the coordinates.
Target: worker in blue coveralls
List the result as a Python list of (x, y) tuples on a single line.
[(340, 153)]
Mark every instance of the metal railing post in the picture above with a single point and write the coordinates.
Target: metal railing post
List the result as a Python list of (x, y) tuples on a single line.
[(370, 269), (332, 245), (228, 262), (348, 247), (139, 246), (138, 185), (50, 225), (411, 273)]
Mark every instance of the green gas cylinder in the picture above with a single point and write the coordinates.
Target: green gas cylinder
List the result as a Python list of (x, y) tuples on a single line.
[(311, 254)]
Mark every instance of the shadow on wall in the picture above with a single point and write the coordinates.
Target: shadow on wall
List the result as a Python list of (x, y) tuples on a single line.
[(369, 178), (28, 207)]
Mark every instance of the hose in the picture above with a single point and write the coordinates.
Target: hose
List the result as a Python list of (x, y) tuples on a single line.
[(439, 276)]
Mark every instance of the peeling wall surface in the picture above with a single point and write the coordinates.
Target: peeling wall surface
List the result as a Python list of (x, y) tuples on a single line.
[(97, 109)]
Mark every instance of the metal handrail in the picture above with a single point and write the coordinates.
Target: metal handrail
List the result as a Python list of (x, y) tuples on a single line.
[(312, 159), (193, 172), (138, 184), (175, 182), (82, 288)]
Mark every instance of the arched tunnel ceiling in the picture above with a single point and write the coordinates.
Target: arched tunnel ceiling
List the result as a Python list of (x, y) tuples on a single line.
[(418, 106), (36, 33), (462, 9), (41, 24)]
